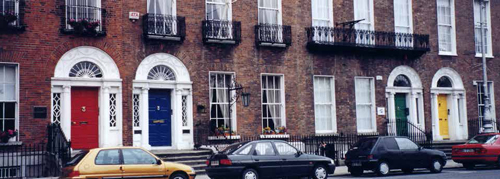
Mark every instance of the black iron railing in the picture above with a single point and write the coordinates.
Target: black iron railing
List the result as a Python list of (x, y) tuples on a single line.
[(58, 145), (475, 126), (10, 19), (221, 31), (273, 34), (84, 20), (399, 127), (345, 37), (160, 26)]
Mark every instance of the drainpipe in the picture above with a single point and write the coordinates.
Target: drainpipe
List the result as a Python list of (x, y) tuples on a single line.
[(487, 121)]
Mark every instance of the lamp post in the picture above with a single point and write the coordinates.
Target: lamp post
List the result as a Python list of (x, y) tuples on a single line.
[(487, 121)]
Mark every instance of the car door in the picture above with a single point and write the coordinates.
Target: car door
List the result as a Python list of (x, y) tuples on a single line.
[(292, 162), (139, 163), (107, 164), (265, 158), (410, 153), (388, 149)]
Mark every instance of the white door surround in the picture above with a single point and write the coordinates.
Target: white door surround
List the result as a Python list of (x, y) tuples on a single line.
[(110, 84), (181, 96), (456, 103), (414, 97)]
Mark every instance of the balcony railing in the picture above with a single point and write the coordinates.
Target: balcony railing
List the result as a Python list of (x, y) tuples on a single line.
[(218, 31), (164, 27), (84, 20), (273, 35), (10, 20), (341, 38)]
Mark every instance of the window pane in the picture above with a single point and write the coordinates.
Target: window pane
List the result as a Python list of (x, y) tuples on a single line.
[(246, 150), (390, 144), (405, 144), (108, 157), (285, 149), (137, 156), (10, 110), (264, 149)]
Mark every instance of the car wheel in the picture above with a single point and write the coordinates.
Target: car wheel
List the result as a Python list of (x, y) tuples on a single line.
[(407, 170), (250, 174), (320, 172), (179, 176), (382, 169), (436, 166), (469, 166), (356, 171)]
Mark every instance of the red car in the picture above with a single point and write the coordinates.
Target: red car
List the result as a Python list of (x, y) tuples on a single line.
[(482, 149)]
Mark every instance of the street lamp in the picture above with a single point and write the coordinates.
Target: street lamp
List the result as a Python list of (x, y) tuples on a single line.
[(487, 121), (246, 98)]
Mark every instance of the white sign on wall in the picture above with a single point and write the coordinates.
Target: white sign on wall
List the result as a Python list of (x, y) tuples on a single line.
[(381, 111), (134, 15)]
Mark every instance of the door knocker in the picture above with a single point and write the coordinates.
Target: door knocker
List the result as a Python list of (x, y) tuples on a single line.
[(84, 109)]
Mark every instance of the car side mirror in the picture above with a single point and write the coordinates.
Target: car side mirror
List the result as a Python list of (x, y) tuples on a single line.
[(420, 147), (158, 162), (298, 154)]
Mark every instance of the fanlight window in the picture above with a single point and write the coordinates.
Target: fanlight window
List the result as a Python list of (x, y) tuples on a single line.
[(85, 70), (444, 82), (402, 81), (162, 73)]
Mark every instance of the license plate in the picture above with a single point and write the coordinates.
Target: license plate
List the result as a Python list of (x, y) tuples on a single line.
[(467, 150), (214, 163), (356, 164)]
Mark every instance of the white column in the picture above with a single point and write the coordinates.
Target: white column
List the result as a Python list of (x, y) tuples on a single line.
[(391, 129), (104, 116), (189, 104), (454, 127), (177, 120), (66, 111), (463, 117), (435, 117), (119, 116), (144, 118), (413, 108)]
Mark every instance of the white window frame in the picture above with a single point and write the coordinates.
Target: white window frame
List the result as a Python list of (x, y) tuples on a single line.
[(282, 95), (410, 17), (98, 16), (233, 107), (280, 12), (373, 104), (330, 13), (372, 15), (16, 90), (453, 51), (491, 86), (333, 106), (489, 38), (229, 9), (174, 7), (16, 9)]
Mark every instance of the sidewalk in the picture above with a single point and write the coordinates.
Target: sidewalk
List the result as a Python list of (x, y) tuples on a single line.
[(342, 170)]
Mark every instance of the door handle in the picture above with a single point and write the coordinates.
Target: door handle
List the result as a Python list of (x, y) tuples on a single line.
[(256, 160), (121, 168)]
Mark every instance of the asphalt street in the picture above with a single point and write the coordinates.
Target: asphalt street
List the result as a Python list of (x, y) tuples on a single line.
[(453, 173)]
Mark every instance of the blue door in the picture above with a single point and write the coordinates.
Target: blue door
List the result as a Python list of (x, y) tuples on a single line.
[(160, 118)]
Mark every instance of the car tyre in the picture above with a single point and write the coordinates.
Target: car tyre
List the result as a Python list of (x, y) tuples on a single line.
[(469, 166), (179, 176), (436, 166), (356, 171), (320, 172), (250, 174), (407, 170), (382, 168)]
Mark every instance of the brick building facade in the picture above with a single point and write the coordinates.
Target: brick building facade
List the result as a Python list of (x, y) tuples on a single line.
[(44, 50)]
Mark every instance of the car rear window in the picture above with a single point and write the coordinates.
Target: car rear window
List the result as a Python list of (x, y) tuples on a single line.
[(483, 139), (365, 144), (77, 158), (230, 149)]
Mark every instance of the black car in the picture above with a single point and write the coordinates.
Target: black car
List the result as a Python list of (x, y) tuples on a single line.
[(267, 159), (381, 154)]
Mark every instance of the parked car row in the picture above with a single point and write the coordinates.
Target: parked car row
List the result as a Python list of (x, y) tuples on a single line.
[(279, 159)]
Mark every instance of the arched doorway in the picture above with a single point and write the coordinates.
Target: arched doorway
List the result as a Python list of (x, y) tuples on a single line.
[(162, 104), (87, 98), (448, 104), (405, 100)]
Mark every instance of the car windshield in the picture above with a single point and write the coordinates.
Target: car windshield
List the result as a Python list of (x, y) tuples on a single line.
[(77, 158), (230, 149), (365, 144), (483, 139)]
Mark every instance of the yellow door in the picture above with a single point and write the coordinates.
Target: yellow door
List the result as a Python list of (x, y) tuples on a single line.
[(443, 116)]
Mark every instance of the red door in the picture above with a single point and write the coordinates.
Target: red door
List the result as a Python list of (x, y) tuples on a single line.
[(84, 118)]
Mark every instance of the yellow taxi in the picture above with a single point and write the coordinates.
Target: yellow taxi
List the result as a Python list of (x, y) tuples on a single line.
[(123, 162)]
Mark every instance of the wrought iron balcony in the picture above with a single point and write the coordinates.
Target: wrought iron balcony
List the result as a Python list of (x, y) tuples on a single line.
[(84, 20), (332, 39), (273, 35), (10, 20), (225, 32), (164, 27)]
